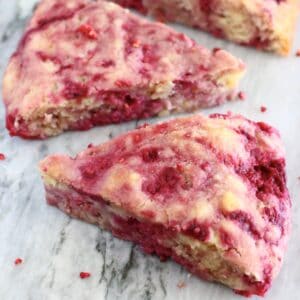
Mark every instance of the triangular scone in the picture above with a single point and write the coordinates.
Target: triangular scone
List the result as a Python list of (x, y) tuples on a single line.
[(268, 25), (85, 63), (210, 192)]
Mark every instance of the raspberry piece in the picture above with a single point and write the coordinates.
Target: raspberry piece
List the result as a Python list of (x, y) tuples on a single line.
[(88, 31), (242, 95), (150, 155), (18, 261), (170, 177), (108, 63), (84, 275), (263, 109)]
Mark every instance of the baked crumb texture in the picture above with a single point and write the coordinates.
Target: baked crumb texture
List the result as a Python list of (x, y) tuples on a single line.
[(85, 63), (264, 24), (208, 192)]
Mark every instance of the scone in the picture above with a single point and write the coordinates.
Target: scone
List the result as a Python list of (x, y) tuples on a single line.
[(84, 63), (264, 24), (209, 192)]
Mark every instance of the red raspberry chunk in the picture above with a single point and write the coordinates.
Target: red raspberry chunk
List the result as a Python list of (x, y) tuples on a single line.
[(74, 90), (18, 261), (84, 275), (88, 31), (150, 155), (263, 109)]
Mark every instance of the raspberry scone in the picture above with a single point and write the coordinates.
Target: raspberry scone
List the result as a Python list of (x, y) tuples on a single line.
[(209, 192), (265, 24), (85, 63)]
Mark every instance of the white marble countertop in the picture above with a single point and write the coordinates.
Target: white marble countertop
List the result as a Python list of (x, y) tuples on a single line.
[(55, 248)]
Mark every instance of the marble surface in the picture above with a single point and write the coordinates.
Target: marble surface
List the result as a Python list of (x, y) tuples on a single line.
[(55, 248)]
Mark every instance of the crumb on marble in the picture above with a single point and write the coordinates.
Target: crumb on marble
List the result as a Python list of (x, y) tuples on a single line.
[(18, 261), (263, 109), (242, 95), (84, 275), (181, 284), (2, 156), (298, 52)]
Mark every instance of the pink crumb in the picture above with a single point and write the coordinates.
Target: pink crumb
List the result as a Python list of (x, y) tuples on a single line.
[(84, 275), (2, 156), (263, 109), (18, 261), (90, 146), (242, 95), (298, 52), (181, 284)]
